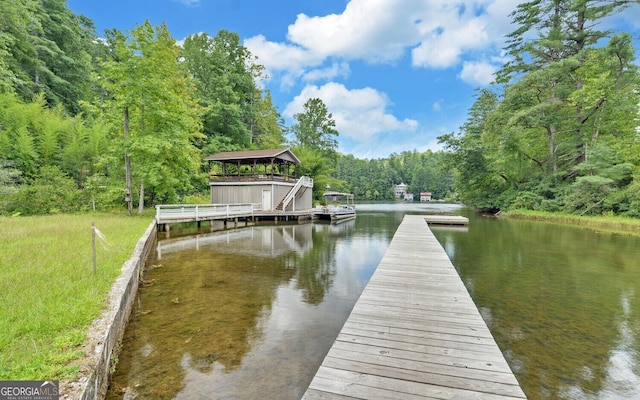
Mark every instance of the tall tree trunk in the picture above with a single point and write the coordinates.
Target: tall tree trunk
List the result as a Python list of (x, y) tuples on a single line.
[(141, 198), (127, 164), (141, 202), (551, 134)]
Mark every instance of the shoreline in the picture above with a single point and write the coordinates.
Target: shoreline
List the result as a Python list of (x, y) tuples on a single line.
[(607, 224)]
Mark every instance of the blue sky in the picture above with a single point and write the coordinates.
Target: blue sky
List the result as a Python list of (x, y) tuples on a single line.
[(395, 74)]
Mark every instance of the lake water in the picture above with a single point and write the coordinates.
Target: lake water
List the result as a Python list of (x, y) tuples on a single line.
[(249, 313)]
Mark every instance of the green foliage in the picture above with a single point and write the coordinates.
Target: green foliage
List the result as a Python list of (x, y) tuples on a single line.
[(315, 128), (625, 201), (268, 128), (149, 87), (51, 192), (49, 293), (102, 192), (196, 199), (315, 164), (225, 75), (588, 194), (10, 179), (376, 179), (479, 178), (562, 133), (517, 200), (33, 136), (45, 49)]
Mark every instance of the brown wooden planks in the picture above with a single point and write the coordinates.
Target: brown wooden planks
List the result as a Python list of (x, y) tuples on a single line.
[(415, 333)]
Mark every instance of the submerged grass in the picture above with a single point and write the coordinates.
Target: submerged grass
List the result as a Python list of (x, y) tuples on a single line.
[(49, 294), (608, 223)]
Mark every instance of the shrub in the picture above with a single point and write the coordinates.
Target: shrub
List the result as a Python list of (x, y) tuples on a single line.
[(588, 195), (51, 193), (526, 200)]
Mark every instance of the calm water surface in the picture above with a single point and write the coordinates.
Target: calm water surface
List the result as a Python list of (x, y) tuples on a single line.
[(249, 313)]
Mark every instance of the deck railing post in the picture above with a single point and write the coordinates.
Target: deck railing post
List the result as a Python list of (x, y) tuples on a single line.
[(197, 213)]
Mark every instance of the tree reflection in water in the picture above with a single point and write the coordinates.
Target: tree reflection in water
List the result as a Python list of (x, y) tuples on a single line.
[(205, 300)]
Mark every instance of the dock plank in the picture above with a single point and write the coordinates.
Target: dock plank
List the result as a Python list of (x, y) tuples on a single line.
[(415, 332)]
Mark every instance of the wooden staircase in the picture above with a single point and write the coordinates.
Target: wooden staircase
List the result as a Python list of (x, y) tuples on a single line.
[(300, 187)]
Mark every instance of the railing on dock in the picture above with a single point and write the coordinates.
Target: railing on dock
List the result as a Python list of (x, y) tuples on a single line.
[(304, 181), (166, 213)]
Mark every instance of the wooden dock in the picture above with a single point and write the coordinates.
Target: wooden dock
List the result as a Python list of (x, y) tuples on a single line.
[(167, 214), (446, 220), (414, 333)]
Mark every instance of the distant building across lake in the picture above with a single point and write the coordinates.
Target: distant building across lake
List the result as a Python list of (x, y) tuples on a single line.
[(401, 191), (425, 196)]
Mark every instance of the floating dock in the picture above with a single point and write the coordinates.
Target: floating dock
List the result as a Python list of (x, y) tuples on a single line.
[(414, 333), (446, 220)]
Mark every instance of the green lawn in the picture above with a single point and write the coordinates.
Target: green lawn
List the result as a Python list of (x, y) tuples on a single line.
[(49, 294), (607, 223)]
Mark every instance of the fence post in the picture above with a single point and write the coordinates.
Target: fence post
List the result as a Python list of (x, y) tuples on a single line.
[(93, 245)]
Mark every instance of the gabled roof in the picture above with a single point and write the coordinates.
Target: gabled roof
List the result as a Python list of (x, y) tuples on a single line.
[(257, 155)]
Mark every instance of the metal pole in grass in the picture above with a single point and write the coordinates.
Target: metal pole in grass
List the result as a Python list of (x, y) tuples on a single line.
[(93, 245)]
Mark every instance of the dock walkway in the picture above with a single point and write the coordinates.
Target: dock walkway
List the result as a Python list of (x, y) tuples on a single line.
[(179, 213), (414, 333)]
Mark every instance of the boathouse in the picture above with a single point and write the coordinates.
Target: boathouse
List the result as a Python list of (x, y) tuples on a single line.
[(425, 196), (265, 177)]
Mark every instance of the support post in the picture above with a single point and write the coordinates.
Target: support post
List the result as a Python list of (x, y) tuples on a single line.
[(93, 245)]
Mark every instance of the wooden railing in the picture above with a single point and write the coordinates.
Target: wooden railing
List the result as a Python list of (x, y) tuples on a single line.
[(197, 212), (251, 177), (304, 181)]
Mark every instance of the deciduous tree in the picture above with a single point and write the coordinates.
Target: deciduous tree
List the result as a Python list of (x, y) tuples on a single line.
[(154, 112), (315, 128)]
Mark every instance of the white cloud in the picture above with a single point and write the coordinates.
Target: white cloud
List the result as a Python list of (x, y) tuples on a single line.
[(479, 73), (443, 48), (437, 106), (374, 30), (333, 71), (437, 34), (188, 2), (360, 114), (281, 56)]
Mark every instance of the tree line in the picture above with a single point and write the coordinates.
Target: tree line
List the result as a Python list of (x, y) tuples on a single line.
[(558, 131), (89, 121), (125, 118)]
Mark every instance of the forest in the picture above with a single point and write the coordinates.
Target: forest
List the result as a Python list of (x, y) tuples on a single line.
[(125, 119)]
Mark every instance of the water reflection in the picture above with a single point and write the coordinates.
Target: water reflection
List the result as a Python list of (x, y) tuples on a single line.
[(551, 296), (250, 313), (244, 312), (260, 241), (622, 377)]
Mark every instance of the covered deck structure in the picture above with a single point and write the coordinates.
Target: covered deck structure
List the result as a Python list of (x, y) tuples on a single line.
[(253, 165), (264, 177)]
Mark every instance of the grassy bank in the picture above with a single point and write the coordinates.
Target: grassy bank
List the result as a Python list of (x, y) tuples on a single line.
[(623, 225), (49, 294)]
